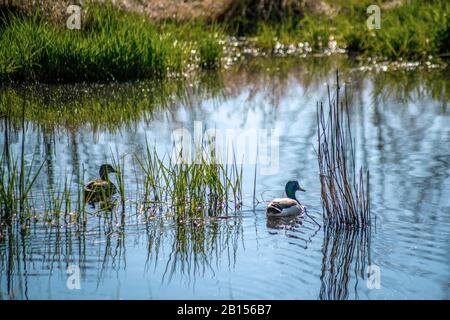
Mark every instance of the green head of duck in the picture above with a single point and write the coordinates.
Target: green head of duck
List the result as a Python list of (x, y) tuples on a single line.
[(291, 188)]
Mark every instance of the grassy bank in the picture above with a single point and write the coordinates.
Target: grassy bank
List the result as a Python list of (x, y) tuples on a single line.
[(410, 31), (111, 45), (116, 44)]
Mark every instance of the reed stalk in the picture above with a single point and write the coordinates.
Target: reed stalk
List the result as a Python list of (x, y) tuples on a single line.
[(344, 190)]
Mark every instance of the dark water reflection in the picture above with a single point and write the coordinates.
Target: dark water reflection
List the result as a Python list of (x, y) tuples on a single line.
[(401, 122), (346, 256)]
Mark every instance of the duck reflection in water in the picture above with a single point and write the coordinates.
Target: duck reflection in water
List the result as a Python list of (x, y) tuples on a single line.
[(303, 229)]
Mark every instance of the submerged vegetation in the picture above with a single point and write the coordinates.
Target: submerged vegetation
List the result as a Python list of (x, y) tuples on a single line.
[(114, 44)]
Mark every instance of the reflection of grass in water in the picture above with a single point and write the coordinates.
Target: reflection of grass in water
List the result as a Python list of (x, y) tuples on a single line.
[(410, 86), (113, 106), (19, 257), (190, 190), (195, 249), (98, 107), (346, 253)]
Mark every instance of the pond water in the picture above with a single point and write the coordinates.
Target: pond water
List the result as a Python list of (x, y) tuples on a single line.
[(401, 123)]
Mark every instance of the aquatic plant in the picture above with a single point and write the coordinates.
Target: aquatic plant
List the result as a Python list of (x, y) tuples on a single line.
[(15, 181), (192, 189), (196, 249), (58, 202), (170, 185), (344, 190)]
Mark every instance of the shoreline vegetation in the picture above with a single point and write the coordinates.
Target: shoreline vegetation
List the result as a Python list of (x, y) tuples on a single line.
[(125, 41)]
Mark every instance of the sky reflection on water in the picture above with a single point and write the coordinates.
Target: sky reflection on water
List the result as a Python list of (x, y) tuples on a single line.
[(401, 124)]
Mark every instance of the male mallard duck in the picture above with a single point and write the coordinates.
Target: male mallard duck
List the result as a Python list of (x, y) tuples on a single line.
[(101, 188), (289, 206)]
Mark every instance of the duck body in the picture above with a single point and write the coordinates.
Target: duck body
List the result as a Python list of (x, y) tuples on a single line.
[(289, 206), (100, 189), (284, 207), (96, 190)]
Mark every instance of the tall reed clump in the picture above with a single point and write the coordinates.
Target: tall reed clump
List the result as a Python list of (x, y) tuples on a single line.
[(344, 190), (191, 190)]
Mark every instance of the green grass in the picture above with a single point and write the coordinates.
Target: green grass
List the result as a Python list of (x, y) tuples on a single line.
[(16, 185), (112, 45), (190, 189), (117, 45), (412, 31)]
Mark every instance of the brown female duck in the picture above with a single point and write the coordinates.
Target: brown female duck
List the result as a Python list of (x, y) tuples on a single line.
[(102, 188)]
